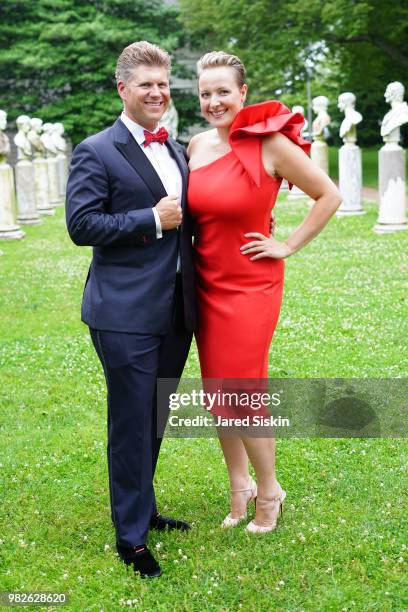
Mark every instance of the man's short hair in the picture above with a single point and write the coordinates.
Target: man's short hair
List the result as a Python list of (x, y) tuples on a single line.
[(138, 54)]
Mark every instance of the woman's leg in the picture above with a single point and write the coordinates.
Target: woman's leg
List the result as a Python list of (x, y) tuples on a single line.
[(236, 459), (261, 453)]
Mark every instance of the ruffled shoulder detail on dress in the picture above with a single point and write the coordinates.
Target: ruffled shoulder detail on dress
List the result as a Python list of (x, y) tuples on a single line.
[(257, 120)]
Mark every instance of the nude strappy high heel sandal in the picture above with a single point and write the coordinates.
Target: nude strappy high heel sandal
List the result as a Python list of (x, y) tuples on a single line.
[(229, 521), (252, 527)]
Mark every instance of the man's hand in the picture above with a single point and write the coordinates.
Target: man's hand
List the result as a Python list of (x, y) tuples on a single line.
[(170, 212)]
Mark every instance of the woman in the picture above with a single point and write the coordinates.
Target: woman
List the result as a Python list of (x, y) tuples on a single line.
[(236, 171)]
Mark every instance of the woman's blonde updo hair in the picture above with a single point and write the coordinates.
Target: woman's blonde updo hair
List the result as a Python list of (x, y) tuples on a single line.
[(214, 59)]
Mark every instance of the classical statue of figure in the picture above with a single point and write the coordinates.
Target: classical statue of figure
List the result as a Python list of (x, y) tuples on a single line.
[(299, 109), (21, 140), (4, 141), (48, 140), (58, 138), (397, 116), (34, 136), (170, 120), (319, 105), (348, 131)]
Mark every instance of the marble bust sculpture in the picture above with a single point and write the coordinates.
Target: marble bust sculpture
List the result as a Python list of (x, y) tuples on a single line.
[(48, 140), (21, 139), (4, 141), (58, 138), (35, 138), (346, 103), (299, 109), (320, 104), (398, 115)]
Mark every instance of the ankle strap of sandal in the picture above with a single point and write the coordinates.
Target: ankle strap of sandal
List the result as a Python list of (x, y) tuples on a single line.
[(251, 487)]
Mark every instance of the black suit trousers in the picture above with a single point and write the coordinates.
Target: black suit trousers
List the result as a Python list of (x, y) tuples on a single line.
[(132, 363)]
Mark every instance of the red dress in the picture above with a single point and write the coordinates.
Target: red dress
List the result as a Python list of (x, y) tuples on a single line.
[(238, 300)]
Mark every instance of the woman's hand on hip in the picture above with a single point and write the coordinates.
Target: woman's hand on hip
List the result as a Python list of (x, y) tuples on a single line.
[(265, 247)]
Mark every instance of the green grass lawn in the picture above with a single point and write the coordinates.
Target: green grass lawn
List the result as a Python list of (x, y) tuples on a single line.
[(342, 542), (370, 166)]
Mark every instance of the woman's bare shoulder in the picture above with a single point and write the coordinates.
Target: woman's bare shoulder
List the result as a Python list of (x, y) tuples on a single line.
[(201, 138)]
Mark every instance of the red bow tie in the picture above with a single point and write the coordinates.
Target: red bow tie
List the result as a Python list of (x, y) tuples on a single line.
[(160, 136)]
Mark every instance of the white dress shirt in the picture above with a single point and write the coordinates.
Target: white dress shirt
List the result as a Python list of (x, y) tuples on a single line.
[(161, 160)]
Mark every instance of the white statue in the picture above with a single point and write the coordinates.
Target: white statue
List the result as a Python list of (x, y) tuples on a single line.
[(319, 152), (21, 140), (34, 136), (4, 141), (57, 136), (319, 105), (346, 104), (392, 215), (170, 120), (297, 193), (299, 109), (397, 116), (48, 140), (59, 141), (350, 166), (27, 213), (9, 229), (42, 197)]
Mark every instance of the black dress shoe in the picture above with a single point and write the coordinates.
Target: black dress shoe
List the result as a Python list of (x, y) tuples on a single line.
[(142, 560), (161, 523)]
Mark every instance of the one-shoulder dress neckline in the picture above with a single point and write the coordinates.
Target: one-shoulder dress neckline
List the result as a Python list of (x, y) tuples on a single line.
[(214, 161), (253, 122)]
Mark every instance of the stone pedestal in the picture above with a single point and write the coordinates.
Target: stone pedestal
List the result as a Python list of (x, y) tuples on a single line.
[(392, 215), (9, 230), (25, 188), (53, 182), (319, 154), (42, 201), (350, 180), (63, 174)]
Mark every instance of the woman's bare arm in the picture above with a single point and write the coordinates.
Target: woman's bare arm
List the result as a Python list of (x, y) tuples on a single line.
[(290, 162)]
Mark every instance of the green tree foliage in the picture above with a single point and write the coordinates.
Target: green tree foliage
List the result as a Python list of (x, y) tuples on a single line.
[(58, 56), (357, 45)]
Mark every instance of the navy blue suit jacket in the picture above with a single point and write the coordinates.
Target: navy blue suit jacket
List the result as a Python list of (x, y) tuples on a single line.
[(111, 190)]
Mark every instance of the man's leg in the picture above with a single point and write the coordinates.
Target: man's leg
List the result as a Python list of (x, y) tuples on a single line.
[(172, 358), (130, 363)]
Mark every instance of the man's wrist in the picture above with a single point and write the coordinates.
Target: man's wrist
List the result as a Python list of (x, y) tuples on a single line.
[(159, 232)]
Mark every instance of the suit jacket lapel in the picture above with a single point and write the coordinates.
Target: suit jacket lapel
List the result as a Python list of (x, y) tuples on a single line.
[(182, 164), (130, 149)]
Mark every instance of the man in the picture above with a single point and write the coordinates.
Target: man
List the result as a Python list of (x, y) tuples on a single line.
[(126, 198)]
